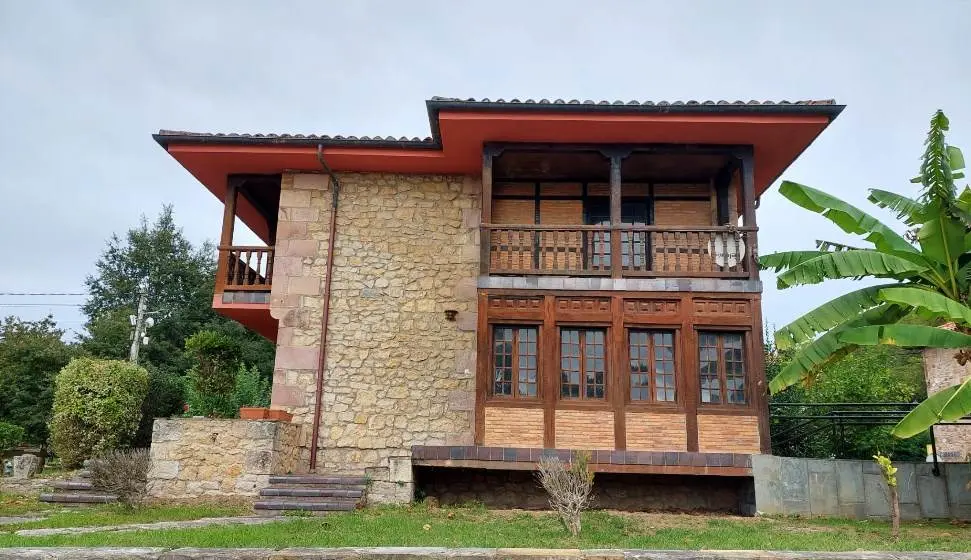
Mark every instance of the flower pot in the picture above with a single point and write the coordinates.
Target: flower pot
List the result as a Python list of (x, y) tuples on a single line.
[(253, 413), (281, 415)]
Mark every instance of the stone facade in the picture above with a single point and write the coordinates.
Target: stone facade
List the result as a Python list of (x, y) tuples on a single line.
[(205, 457), (941, 371), (398, 372)]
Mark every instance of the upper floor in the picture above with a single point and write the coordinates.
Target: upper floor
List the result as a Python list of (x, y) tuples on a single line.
[(593, 196)]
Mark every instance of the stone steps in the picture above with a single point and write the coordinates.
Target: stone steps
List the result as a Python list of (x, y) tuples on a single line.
[(354, 493), (73, 485), (78, 498), (318, 480), (77, 491), (314, 494)]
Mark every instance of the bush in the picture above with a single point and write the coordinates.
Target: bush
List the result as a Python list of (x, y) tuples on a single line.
[(122, 472), (165, 398), (216, 358), (11, 435), (212, 379), (97, 407), (249, 389), (569, 486)]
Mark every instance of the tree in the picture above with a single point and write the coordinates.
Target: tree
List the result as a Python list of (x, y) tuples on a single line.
[(875, 374), (31, 354), (927, 273), (180, 279)]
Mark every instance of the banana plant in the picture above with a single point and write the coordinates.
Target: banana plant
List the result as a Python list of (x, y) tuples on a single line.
[(925, 272)]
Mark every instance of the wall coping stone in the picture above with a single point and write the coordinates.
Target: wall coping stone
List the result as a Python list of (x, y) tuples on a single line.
[(414, 553)]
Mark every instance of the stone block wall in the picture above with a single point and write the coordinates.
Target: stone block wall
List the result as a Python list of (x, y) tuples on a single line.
[(206, 457), (398, 373), (941, 371), (856, 489)]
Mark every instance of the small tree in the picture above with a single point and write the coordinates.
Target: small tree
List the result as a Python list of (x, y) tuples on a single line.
[(97, 406), (569, 486), (889, 473)]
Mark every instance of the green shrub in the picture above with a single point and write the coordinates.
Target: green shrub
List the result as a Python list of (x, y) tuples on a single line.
[(252, 389), (165, 398), (97, 407), (249, 389), (216, 357), (11, 435)]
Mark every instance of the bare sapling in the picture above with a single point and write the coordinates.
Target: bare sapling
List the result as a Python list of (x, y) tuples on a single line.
[(569, 487)]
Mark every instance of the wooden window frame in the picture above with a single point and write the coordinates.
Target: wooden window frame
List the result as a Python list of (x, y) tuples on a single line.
[(652, 402), (720, 332), (582, 399), (515, 396)]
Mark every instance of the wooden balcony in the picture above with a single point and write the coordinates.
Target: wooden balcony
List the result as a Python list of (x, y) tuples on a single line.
[(627, 250), (244, 269)]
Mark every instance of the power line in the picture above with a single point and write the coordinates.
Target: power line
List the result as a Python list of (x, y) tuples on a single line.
[(43, 294), (41, 304)]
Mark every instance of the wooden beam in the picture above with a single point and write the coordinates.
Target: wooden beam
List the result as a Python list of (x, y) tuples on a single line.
[(748, 209), (616, 258), (226, 235)]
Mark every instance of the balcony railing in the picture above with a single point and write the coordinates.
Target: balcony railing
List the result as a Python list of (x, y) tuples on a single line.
[(577, 250), (243, 268)]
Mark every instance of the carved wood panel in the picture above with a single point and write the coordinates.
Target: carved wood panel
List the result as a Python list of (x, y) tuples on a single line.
[(722, 307)]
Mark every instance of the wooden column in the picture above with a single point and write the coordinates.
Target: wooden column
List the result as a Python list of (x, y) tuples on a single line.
[(226, 236), (549, 369), (748, 211), (485, 234), (616, 258)]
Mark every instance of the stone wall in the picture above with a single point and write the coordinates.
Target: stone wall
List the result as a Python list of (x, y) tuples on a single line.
[(398, 373), (205, 457), (856, 489), (941, 371), (626, 492)]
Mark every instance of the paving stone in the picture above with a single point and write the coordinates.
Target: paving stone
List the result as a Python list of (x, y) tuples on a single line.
[(150, 526)]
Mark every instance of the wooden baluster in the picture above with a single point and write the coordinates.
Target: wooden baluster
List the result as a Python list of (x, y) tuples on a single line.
[(728, 262), (259, 279), (269, 266)]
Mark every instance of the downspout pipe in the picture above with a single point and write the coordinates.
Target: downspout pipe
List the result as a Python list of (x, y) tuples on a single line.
[(325, 315)]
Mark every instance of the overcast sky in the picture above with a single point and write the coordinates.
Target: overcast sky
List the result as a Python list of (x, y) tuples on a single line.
[(84, 84)]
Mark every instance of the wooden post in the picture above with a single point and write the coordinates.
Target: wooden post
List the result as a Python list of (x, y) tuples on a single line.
[(616, 258), (226, 236), (748, 212), (485, 235)]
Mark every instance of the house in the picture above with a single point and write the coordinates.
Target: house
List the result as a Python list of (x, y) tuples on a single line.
[(536, 275)]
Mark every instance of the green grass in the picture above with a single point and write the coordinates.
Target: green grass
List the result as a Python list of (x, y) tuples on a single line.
[(107, 514), (477, 527)]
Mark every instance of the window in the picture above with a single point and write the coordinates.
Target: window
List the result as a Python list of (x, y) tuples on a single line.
[(514, 358), (722, 360), (583, 363), (651, 365)]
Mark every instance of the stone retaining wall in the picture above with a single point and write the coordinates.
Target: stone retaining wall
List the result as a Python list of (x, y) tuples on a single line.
[(856, 489), (415, 553), (206, 457)]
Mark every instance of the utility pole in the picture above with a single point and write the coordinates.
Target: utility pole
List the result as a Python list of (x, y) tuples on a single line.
[(139, 323)]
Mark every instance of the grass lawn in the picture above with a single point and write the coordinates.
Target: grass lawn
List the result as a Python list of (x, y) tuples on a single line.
[(478, 527), (107, 514)]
